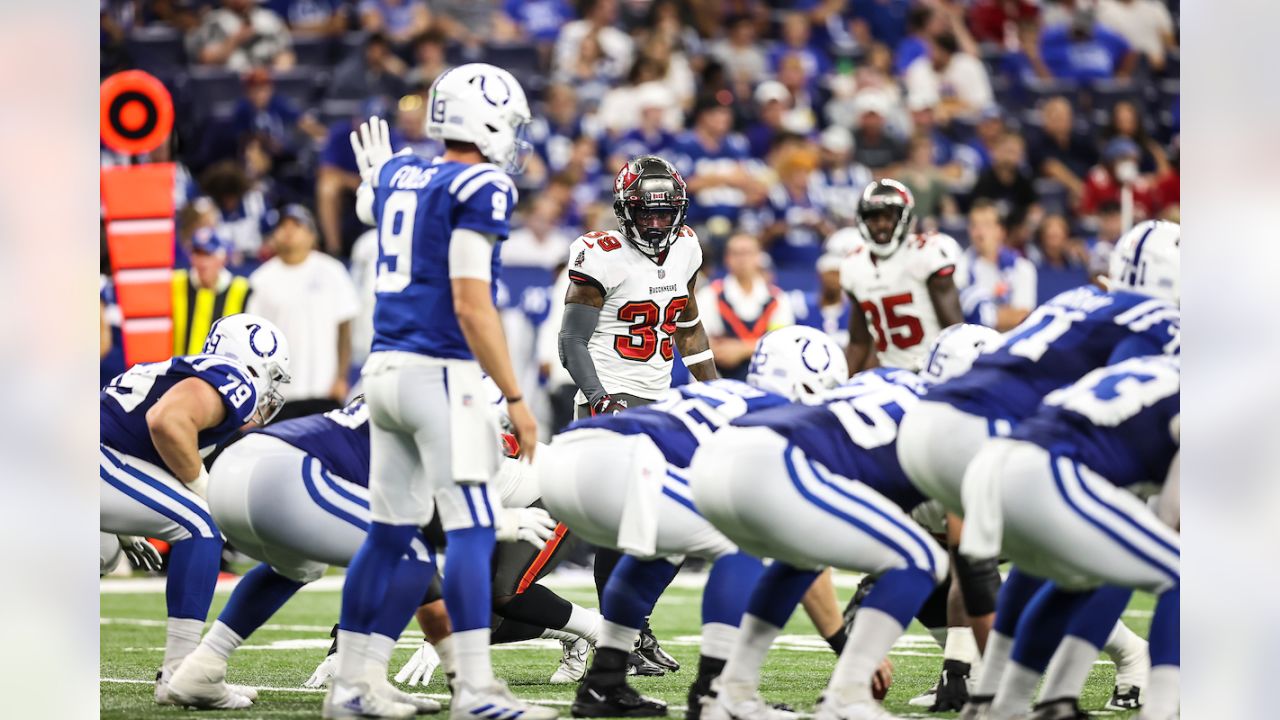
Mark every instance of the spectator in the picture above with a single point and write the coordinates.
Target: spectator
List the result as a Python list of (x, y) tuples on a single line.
[(1145, 24), (793, 222), (740, 307), (802, 117), (989, 20), (839, 179), (1085, 50), (773, 101), (650, 136), (827, 308), (375, 70), (1118, 169), (874, 145), (553, 131), (593, 75), (1058, 151), (922, 25), (241, 207), (310, 296), (1061, 264), (270, 117), (796, 41), (205, 293), (925, 180), (312, 17), (956, 163), (997, 286), (398, 20), (883, 20), (411, 122), (338, 177), (538, 20), (740, 52), (719, 169), (1007, 184), (957, 79), (990, 128), (1110, 228), (537, 242), (598, 18), (471, 22), (429, 59), (240, 36), (1127, 123)]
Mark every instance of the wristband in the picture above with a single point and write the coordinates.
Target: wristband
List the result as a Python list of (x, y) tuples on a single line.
[(200, 485), (514, 400), (696, 358), (686, 324)]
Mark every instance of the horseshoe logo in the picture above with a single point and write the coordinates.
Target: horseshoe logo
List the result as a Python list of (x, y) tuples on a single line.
[(502, 94), (275, 342), (804, 357)]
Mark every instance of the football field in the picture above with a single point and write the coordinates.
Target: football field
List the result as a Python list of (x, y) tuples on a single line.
[(283, 654)]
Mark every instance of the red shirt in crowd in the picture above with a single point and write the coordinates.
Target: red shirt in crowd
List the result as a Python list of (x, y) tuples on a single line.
[(1100, 187)]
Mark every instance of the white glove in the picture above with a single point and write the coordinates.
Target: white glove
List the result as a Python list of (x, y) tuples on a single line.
[(421, 666), (200, 485), (324, 672), (372, 146), (533, 525), (142, 554)]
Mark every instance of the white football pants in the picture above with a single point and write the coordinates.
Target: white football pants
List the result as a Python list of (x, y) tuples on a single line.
[(935, 444), (144, 499)]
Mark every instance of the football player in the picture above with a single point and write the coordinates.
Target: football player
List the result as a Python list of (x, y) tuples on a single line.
[(818, 485), (435, 327), (643, 507), (1067, 484), (630, 305), (1062, 340), (158, 421)]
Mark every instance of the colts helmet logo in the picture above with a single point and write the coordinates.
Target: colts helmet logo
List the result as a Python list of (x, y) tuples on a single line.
[(811, 360), (501, 92), (275, 342)]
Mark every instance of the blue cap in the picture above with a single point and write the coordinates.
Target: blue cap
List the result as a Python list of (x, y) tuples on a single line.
[(1119, 147), (210, 241)]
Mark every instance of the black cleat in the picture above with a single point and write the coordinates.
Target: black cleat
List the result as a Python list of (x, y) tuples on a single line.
[(1130, 698), (594, 701), (648, 648), (976, 708), (953, 687), (638, 664), (1061, 709)]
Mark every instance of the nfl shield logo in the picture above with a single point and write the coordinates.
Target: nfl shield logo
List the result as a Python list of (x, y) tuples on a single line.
[(661, 273)]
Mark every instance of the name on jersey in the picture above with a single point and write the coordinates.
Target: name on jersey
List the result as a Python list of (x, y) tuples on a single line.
[(663, 288), (408, 177), (1082, 299)]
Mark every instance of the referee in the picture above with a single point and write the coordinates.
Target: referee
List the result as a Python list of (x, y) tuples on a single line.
[(206, 292)]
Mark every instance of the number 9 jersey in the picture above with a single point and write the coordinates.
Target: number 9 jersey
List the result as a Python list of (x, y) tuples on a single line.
[(632, 346), (893, 292)]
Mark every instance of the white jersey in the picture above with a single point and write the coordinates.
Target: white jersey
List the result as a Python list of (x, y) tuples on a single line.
[(893, 295), (632, 347)]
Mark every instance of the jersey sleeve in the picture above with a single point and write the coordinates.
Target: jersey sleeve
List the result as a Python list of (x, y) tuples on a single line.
[(1158, 332), (936, 254), (687, 235), (589, 261), (228, 377), (486, 201)]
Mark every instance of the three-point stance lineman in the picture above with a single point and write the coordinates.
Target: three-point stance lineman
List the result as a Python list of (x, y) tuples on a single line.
[(433, 441)]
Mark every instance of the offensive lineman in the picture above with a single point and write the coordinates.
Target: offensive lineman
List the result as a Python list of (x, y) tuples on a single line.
[(630, 301), (432, 440), (158, 421)]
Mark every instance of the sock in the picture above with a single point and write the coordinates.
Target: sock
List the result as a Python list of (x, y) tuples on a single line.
[(836, 641), (633, 589), (561, 635), (778, 591), (728, 587), (1069, 669), (740, 678), (1015, 593), (409, 579), (222, 640), (940, 634), (1017, 687), (378, 651), (193, 574), (584, 623), (873, 634), (1166, 640), (471, 656), (1096, 620), (352, 656), (994, 662), (1044, 623), (960, 645), (617, 637), (718, 640), (370, 574), (181, 637), (259, 594), (509, 631), (1162, 695), (444, 648), (1129, 652), (468, 587), (537, 605), (602, 570)]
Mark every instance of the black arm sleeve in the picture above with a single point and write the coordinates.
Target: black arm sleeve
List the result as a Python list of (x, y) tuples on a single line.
[(575, 332)]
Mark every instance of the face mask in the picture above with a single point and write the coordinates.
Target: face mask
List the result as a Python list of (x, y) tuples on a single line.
[(1127, 171)]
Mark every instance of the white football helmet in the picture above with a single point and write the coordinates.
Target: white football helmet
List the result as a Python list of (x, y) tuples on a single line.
[(954, 351), (1147, 260), (798, 362), (483, 105), (260, 346)]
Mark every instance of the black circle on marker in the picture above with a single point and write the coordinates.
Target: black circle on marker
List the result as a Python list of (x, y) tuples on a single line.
[(117, 107)]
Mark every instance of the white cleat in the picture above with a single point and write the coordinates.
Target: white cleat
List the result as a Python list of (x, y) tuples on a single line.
[(360, 701), (573, 663), (924, 699), (493, 703), (422, 704), (857, 710), (201, 682), (753, 708)]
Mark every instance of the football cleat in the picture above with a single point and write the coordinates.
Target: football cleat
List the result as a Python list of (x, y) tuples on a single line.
[(953, 687), (648, 648), (200, 682), (1060, 709), (976, 708), (857, 710), (359, 700), (492, 702), (637, 664), (926, 698), (594, 701), (162, 690), (573, 663), (706, 701), (1125, 697)]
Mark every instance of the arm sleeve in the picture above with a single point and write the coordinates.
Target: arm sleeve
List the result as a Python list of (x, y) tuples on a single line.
[(470, 255), (364, 205), (578, 326)]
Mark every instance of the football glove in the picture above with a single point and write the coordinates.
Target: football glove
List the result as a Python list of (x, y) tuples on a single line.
[(142, 554), (510, 445), (372, 146), (324, 672), (532, 525), (421, 666), (606, 405)]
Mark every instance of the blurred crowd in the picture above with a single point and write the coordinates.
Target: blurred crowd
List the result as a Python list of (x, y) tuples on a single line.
[(1034, 132)]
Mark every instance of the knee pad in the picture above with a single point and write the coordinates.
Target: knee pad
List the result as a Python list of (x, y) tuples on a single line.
[(979, 584), (465, 505)]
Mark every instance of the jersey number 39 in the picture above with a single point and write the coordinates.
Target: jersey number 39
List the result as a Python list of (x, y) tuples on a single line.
[(642, 340)]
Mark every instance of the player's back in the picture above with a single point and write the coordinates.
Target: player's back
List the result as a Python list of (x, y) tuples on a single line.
[(686, 416), (1122, 421), (418, 204), (128, 397), (1061, 341), (854, 431), (338, 438)]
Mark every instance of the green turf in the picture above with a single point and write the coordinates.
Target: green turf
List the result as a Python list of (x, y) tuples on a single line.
[(795, 676)]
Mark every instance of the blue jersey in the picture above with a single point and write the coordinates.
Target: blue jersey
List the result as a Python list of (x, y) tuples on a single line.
[(691, 157), (338, 438), (418, 204), (1062, 340), (854, 432), (126, 400), (685, 416), (1122, 421)]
